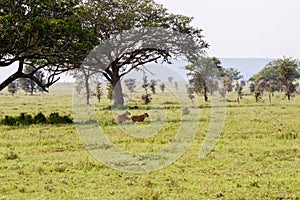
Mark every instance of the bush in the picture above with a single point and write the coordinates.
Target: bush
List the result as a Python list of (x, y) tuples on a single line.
[(9, 121), (40, 119), (146, 99), (55, 118), (26, 119)]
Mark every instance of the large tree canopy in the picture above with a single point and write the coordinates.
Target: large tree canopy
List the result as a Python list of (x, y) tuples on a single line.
[(45, 35), (136, 32)]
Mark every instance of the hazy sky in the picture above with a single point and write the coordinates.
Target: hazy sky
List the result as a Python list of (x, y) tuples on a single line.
[(245, 28)]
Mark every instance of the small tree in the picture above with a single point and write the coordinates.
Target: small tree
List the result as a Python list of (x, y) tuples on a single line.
[(176, 86), (203, 74), (271, 87), (109, 91), (287, 69), (227, 85), (99, 92), (84, 76), (230, 75), (238, 89), (152, 86), (162, 87), (145, 97), (130, 84), (252, 87), (12, 88), (27, 85), (190, 93)]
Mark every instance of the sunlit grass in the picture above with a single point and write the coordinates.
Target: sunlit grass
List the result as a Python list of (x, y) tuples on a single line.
[(256, 157)]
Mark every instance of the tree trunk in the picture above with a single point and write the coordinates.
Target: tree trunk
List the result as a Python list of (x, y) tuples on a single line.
[(117, 92), (289, 96), (87, 89), (205, 94)]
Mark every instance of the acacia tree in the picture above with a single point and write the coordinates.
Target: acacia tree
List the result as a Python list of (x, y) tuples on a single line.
[(230, 75), (133, 33), (45, 35), (203, 74), (152, 86), (287, 70)]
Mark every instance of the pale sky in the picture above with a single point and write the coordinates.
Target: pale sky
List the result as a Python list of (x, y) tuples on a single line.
[(241, 28), (245, 28)]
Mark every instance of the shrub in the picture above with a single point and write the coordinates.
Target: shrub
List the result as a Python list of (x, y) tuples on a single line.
[(24, 119), (9, 121), (40, 119), (146, 99), (55, 118)]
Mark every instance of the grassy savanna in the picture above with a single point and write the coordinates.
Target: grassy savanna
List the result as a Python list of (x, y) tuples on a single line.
[(256, 157)]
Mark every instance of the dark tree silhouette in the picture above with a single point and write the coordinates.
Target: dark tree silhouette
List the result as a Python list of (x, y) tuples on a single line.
[(45, 35)]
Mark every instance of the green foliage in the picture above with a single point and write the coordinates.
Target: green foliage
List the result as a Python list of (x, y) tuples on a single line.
[(278, 73), (43, 34), (110, 90), (203, 74), (39, 118), (140, 25), (99, 92), (9, 121), (252, 87), (232, 73), (191, 93), (55, 118), (152, 86), (267, 73), (26, 119)]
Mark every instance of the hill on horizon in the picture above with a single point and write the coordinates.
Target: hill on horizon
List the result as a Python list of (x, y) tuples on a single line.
[(247, 66)]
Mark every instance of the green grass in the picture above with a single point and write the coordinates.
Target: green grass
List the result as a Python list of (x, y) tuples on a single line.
[(256, 157)]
